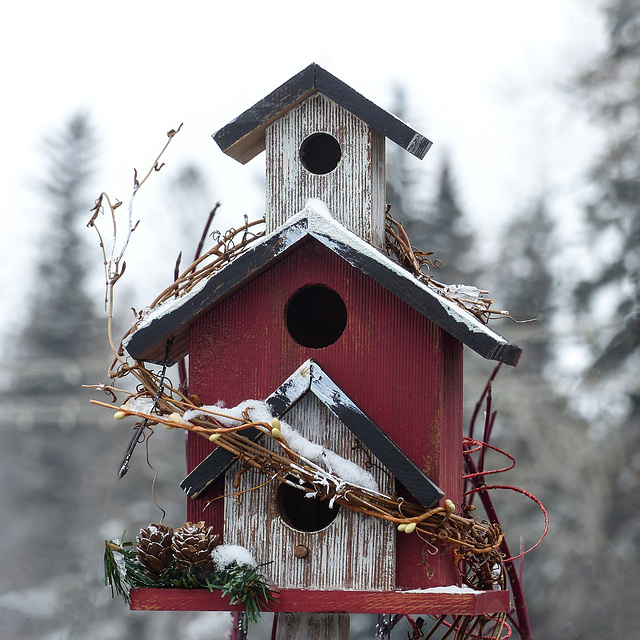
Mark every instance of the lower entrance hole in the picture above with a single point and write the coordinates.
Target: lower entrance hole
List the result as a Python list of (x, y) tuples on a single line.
[(302, 513)]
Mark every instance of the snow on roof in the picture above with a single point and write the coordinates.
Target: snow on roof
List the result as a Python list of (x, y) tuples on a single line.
[(310, 378), (322, 223)]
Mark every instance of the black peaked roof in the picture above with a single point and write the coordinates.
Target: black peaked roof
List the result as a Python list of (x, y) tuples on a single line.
[(172, 320), (244, 137), (310, 378)]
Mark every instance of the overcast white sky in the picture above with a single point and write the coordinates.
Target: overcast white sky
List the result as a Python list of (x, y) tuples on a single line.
[(481, 79)]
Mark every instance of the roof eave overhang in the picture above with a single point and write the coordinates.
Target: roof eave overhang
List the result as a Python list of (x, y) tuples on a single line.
[(244, 137), (172, 320)]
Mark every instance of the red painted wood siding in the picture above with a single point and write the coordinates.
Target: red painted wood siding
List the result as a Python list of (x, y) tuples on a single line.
[(294, 600), (399, 368)]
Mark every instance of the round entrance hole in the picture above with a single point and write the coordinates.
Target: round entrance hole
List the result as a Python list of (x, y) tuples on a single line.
[(320, 153), (316, 316), (301, 513)]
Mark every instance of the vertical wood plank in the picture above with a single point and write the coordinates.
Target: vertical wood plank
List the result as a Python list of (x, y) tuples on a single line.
[(351, 553), (313, 626), (355, 191)]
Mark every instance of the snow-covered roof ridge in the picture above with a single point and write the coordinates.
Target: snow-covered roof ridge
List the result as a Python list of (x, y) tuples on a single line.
[(311, 378), (148, 340)]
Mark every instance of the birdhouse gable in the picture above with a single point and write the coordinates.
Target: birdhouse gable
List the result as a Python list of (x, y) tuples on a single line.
[(320, 150), (244, 137), (310, 378), (314, 223)]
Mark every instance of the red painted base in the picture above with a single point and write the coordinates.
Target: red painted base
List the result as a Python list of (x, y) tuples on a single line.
[(307, 600)]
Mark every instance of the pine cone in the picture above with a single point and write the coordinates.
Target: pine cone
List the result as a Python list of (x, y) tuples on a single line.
[(154, 548), (192, 546)]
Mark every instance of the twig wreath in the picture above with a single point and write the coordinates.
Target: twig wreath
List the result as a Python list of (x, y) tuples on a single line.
[(478, 547)]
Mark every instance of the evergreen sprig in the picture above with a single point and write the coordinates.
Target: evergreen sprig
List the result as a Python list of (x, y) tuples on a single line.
[(240, 583), (246, 585), (116, 560)]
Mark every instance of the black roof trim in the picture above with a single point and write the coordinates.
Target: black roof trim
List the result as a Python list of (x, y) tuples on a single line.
[(244, 137), (310, 378)]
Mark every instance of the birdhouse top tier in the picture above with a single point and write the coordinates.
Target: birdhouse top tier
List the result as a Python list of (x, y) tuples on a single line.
[(322, 140)]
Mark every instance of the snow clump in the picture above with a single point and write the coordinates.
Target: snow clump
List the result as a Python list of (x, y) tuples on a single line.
[(224, 555)]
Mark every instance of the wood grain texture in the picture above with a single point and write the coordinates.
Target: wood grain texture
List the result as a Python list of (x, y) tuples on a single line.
[(353, 552), (319, 626), (292, 600), (354, 191)]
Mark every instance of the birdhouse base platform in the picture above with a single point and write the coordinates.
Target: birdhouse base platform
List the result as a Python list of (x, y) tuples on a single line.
[(429, 601)]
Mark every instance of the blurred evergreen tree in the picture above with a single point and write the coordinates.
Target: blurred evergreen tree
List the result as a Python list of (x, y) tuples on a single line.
[(448, 231), (189, 195), (610, 299), (435, 223), (41, 454), (62, 322), (189, 201), (58, 455), (525, 283), (53, 350), (611, 90)]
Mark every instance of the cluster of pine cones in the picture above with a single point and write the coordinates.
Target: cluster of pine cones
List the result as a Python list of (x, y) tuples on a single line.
[(190, 546)]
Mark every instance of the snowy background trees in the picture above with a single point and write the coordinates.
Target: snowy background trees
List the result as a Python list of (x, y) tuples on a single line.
[(568, 254)]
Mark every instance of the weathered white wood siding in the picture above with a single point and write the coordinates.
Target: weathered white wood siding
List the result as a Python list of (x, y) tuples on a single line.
[(353, 552), (316, 626), (355, 191)]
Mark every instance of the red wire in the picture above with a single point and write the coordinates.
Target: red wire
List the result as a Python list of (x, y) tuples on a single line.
[(506, 627), (466, 441), (531, 497)]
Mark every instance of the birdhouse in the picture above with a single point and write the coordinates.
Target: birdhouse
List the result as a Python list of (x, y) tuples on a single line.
[(359, 356)]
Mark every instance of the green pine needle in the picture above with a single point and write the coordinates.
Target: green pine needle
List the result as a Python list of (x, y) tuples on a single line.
[(242, 584)]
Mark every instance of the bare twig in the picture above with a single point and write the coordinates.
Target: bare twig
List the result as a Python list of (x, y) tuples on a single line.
[(114, 264)]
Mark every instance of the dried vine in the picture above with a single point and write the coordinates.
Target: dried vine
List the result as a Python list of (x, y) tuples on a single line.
[(419, 263), (475, 544)]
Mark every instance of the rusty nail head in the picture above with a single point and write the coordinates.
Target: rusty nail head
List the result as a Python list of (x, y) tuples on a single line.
[(301, 551)]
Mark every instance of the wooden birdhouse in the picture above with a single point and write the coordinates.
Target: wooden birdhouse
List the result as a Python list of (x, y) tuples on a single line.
[(342, 343)]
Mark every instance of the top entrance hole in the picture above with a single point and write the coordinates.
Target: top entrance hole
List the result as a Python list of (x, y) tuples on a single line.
[(320, 153)]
